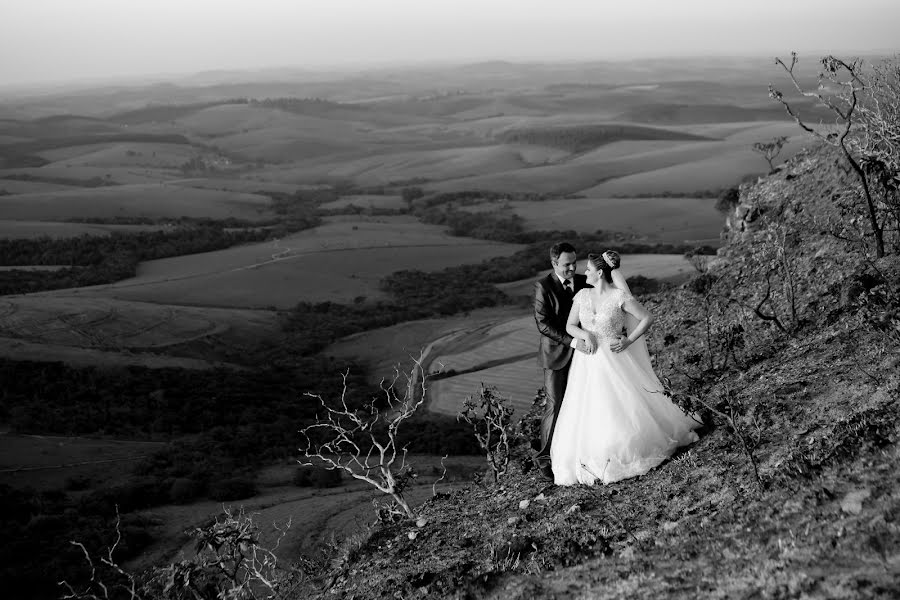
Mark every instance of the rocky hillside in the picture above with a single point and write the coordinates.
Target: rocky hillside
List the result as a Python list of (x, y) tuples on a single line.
[(788, 342)]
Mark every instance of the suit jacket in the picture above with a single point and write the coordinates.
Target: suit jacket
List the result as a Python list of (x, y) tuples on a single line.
[(551, 311)]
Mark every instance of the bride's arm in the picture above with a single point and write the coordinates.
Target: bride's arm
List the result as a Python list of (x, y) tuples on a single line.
[(645, 319), (573, 329), (619, 281)]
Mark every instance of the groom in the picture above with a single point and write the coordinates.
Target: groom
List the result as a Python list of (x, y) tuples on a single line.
[(552, 301)]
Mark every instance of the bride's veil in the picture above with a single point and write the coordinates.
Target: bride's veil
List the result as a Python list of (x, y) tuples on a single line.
[(639, 348)]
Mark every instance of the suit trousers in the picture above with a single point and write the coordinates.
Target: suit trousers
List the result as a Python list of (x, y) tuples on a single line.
[(555, 386)]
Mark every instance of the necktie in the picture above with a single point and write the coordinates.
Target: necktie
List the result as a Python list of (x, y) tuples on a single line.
[(568, 285)]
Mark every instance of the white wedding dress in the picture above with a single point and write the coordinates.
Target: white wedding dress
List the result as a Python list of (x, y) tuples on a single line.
[(614, 422)]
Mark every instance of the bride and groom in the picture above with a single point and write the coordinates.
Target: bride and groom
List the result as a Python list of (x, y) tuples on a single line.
[(604, 418)]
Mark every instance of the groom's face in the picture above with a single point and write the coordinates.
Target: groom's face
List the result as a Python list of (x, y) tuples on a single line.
[(565, 265)]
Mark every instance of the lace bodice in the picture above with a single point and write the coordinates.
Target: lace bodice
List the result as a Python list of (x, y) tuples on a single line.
[(604, 317)]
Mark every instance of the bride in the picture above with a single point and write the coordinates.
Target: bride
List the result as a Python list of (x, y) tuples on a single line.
[(614, 422)]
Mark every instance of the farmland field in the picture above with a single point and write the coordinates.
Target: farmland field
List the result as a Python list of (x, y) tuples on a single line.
[(674, 220), (10, 229), (365, 201), (121, 154), (137, 200), (338, 261), (81, 330), (47, 462)]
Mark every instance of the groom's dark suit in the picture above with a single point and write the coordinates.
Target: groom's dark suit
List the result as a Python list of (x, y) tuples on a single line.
[(551, 310)]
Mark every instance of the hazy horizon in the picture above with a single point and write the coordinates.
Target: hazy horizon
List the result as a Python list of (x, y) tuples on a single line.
[(62, 42)]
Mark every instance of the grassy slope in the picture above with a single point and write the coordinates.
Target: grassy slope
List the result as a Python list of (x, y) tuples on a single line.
[(824, 525)]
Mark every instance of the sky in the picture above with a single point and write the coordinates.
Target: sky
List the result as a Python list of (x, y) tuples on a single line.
[(74, 40)]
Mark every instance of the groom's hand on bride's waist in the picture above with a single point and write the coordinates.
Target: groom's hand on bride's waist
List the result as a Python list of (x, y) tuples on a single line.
[(583, 346)]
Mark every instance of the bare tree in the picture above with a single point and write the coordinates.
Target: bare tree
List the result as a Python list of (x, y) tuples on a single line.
[(99, 586), (490, 417), (732, 412), (770, 150), (840, 89), (877, 139), (230, 562), (363, 442)]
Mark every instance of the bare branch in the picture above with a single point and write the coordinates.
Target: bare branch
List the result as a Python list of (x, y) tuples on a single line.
[(364, 442), (490, 418)]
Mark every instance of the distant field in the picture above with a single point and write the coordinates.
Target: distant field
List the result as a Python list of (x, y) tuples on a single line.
[(249, 185), (33, 267), (384, 349), (516, 381), (77, 328), (114, 175), (503, 356), (596, 172), (47, 462), (583, 138), (139, 200), (274, 135), (15, 186), (122, 154), (388, 166), (35, 229), (672, 220), (338, 261), (719, 171), (366, 201)]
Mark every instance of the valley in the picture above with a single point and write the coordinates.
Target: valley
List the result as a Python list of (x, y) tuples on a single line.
[(347, 190)]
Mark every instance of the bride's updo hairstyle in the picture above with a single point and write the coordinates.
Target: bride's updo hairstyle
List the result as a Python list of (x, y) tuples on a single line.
[(606, 263)]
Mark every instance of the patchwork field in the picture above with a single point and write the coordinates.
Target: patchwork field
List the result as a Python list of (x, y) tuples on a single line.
[(121, 154), (137, 200), (71, 327), (250, 185), (54, 229), (366, 201), (48, 462), (673, 220), (16, 186), (730, 158), (338, 261)]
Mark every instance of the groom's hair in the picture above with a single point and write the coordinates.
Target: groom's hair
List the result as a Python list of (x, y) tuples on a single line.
[(560, 248)]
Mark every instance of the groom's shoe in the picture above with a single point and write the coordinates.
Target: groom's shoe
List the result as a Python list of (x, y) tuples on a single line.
[(543, 466), (547, 473)]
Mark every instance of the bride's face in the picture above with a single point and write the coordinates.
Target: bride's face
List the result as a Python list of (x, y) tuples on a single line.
[(592, 273)]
